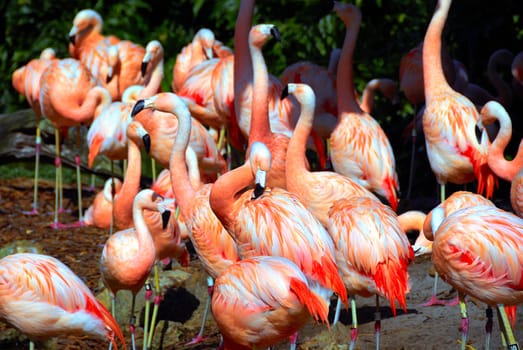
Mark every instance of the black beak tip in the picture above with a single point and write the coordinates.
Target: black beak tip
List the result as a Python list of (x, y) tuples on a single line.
[(144, 68), (108, 79), (258, 191), (147, 143), (72, 39), (276, 33), (285, 92), (137, 108), (166, 215)]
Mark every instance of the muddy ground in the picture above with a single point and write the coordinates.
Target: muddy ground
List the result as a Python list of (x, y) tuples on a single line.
[(417, 328)]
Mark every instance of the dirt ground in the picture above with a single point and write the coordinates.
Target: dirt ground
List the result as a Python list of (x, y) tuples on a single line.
[(417, 328)]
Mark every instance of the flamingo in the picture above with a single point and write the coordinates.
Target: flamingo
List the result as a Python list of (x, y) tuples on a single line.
[(414, 220), (258, 302), (507, 170), (317, 190), (100, 213), (115, 63), (478, 250), (43, 298), (204, 46), (26, 80), (69, 97), (215, 247), (272, 221), (456, 201), (373, 254), (449, 120), (387, 87), (128, 255), (359, 148)]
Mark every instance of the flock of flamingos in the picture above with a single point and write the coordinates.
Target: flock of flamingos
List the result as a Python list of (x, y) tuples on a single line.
[(277, 238)]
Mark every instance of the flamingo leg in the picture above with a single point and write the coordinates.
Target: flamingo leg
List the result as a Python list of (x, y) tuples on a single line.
[(464, 321), (58, 182), (157, 301), (153, 168), (31, 345), (512, 343), (38, 141), (354, 328), (113, 313), (92, 186), (293, 339), (377, 322), (78, 162), (148, 296), (113, 194), (132, 322), (199, 337), (337, 313), (488, 328)]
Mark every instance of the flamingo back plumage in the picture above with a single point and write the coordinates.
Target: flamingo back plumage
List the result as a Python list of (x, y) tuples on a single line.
[(43, 298), (373, 253)]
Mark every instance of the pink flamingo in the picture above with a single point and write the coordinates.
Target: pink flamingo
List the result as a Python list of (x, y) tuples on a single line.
[(317, 190), (215, 247), (274, 222), (204, 46), (128, 256), (249, 316), (359, 148), (26, 80), (69, 97), (414, 220), (387, 87), (114, 63), (478, 250), (100, 213), (43, 298), (507, 170)]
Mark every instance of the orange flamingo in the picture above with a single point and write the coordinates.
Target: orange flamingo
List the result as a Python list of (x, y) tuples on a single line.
[(414, 220), (100, 213), (128, 256), (43, 298), (259, 302), (69, 97), (319, 189), (274, 222), (478, 250), (387, 87), (26, 80), (449, 120), (359, 148), (372, 253), (507, 170), (204, 46), (456, 201), (89, 46), (215, 247)]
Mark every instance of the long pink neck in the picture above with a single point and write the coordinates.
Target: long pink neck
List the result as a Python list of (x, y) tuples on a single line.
[(180, 181), (226, 190), (145, 241), (296, 160), (503, 168), (345, 77), (153, 81), (96, 99), (260, 126), (242, 58), (123, 201), (433, 74)]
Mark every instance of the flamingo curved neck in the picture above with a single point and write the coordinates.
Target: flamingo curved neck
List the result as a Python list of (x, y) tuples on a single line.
[(296, 160), (153, 82), (143, 235), (260, 126), (123, 201), (345, 77), (433, 74)]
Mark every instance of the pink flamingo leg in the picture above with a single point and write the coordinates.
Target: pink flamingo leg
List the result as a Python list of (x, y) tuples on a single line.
[(293, 339), (199, 337), (38, 141), (78, 162), (58, 183)]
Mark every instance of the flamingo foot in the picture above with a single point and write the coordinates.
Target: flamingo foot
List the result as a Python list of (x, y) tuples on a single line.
[(34, 211), (79, 223), (434, 301), (58, 225), (197, 340), (453, 302)]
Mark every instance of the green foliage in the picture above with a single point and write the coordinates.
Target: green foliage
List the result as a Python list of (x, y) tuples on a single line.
[(309, 31)]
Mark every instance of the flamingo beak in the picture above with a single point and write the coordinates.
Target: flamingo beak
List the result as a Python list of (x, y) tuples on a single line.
[(138, 107), (166, 215), (276, 33), (285, 92), (261, 182)]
